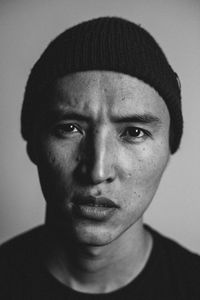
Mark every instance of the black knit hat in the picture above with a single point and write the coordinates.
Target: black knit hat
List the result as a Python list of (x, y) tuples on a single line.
[(106, 43)]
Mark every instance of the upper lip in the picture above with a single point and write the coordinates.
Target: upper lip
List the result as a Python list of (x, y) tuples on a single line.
[(95, 201)]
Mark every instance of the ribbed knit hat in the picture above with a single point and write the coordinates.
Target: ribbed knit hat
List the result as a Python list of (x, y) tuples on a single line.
[(106, 43)]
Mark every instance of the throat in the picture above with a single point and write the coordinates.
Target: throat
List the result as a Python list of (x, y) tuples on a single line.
[(83, 268)]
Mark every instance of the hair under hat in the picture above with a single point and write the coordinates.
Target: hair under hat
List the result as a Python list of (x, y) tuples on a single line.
[(106, 43)]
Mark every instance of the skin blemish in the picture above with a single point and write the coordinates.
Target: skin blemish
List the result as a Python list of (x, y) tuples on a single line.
[(78, 158), (52, 159), (98, 193)]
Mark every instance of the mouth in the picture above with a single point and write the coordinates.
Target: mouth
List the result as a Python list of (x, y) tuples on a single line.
[(94, 208)]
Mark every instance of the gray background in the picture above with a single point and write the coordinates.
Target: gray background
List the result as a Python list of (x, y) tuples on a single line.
[(25, 29)]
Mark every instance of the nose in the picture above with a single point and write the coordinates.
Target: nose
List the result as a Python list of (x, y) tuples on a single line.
[(99, 162)]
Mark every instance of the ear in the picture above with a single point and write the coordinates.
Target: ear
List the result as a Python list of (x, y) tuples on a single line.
[(31, 151)]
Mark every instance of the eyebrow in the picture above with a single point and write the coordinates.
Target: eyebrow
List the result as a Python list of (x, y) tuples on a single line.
[(146, 118), (56, 115)]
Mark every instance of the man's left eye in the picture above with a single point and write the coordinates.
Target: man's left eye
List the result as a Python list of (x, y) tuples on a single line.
[(133, 133)]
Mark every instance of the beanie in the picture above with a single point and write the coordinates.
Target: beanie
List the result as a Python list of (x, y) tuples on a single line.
[(105, 43)]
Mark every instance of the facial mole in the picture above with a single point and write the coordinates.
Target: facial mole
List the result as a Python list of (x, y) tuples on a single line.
[(96, 131), (136, 194)]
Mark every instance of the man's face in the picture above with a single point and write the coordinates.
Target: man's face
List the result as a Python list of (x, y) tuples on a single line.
[(102, 147)]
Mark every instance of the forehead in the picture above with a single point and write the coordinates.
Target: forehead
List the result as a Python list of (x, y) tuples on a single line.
[(94, 92)]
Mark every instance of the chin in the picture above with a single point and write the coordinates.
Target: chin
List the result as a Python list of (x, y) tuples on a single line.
[(94, 235)]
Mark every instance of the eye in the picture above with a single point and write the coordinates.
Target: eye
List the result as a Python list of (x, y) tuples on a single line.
[(67, 129), (135, 134)]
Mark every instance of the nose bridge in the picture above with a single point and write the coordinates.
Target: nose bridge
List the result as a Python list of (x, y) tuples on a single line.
[(102, 156)]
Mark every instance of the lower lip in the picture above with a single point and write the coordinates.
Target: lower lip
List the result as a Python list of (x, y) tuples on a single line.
[(98, 213)]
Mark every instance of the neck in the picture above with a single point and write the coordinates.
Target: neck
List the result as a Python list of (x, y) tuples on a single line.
[(84, 267)]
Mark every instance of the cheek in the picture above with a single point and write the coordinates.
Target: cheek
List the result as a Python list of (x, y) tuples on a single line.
[(57, 157), (55, 166), (142, 168), (140, 178)]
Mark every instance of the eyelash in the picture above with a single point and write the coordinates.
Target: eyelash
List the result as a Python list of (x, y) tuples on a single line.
[(60, 131)]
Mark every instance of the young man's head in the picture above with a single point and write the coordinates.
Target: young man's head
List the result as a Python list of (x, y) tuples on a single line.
[(101, 116)]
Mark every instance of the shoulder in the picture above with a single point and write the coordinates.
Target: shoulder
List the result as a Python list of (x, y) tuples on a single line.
[(174, 249), (184, 265), (19, 263), (21, 239), (20, 249)]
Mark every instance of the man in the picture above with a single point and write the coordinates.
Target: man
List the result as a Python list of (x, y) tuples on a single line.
[(101, 117)]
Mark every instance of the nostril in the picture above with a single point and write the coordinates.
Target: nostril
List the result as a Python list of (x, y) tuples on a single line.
[(93, 174), (110, 179)]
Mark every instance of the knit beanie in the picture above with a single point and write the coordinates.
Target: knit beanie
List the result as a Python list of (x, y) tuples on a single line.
[(105, 43)]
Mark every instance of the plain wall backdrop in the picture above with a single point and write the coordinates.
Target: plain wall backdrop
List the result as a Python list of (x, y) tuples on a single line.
[(26, 27)]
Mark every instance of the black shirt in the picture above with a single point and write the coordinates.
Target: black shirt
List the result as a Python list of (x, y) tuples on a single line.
[(172, 272)]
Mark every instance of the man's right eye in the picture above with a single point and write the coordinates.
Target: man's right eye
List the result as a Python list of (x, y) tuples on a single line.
[(66, 129)]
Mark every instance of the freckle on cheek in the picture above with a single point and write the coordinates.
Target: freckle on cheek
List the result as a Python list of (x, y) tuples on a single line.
[(137, 195)]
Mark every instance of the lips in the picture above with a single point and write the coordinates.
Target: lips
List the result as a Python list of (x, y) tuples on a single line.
[(95, 208), (94, 201)]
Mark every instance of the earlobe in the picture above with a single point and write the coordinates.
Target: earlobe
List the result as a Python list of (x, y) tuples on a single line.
[(31, 151)]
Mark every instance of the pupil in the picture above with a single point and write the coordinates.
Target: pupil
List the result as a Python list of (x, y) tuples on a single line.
[(70, 127), (134, 131)]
